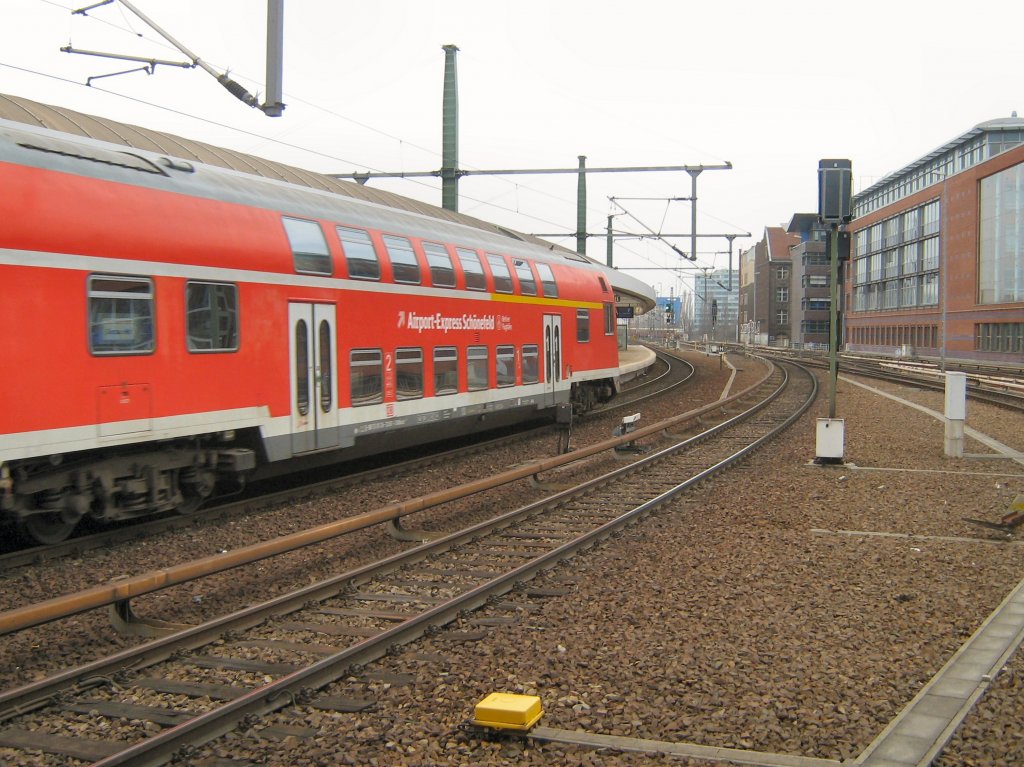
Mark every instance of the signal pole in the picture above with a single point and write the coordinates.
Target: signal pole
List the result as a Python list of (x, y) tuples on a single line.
[(834, 209)]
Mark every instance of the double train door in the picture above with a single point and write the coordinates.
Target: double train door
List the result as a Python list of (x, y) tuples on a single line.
[(314, 376), (552, 357)]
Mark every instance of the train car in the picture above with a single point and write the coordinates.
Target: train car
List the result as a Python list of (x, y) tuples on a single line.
[(171, 327)]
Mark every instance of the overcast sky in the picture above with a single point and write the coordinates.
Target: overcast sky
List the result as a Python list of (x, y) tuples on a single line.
[(770, 87)]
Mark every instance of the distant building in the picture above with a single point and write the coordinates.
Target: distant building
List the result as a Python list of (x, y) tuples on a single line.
[(765, 312), (666, 323), (715, 305), (811, 296), (937, 266), (671, 308)]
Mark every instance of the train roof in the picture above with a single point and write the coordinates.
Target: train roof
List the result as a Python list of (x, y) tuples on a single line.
[(17, 109)]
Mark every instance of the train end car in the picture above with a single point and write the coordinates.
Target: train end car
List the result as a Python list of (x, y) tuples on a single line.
[(182, 326)]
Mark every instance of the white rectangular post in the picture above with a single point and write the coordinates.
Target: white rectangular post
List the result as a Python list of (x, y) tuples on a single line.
[(956, 413)]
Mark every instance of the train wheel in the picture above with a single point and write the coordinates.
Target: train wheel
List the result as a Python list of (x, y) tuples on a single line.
[(196, 486), (47, 528), (190, 505)]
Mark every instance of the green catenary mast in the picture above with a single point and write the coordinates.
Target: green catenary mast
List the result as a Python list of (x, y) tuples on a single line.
[(450, 132)]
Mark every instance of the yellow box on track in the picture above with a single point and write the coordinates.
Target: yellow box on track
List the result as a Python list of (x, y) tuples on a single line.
[(506, 711)]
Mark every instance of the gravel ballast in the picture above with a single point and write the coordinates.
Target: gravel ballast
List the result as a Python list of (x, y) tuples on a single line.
[(762, 611)]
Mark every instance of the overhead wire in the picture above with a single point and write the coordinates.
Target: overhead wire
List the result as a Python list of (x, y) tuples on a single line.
[(333, 113)]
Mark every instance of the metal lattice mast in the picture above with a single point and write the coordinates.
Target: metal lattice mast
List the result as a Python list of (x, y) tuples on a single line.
[(450, 132), (581, 207)]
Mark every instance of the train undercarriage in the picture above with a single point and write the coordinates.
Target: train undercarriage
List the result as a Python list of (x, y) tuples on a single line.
[(47, 498), (588, 394)]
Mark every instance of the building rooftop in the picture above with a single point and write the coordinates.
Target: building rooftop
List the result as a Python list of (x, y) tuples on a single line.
[(983, 141), (779, 242)]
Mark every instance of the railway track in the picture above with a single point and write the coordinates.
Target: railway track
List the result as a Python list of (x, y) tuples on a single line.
[(677, 372), (1002, 386), (74, 547), (240, 669)]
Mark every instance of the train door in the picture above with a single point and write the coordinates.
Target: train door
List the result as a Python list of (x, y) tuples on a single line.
[(552, 356), (314, 376)]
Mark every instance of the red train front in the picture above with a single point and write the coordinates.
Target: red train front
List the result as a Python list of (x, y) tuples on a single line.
[(172, 327)]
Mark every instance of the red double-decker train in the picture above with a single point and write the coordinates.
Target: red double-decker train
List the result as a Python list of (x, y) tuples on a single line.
[(171, 326)]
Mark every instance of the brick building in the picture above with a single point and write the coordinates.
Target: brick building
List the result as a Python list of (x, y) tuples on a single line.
[(766, 288), (937, 266), (811, 297)]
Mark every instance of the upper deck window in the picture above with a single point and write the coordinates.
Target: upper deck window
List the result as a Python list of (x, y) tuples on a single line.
[(473, 269), (309, 246), (121, 315), (404, 265), (442, 274), (502, 276), (547, 280), (527, 284), (360, 255)]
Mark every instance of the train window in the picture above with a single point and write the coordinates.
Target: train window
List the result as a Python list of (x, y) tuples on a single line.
[(527, 284), (121, 315), (302, 367), (404, 265), (531, 364), (502, 277), (609, 319), (476, 367), (309, 246), (583, 325), (409, 372), (367, 374), (547, 280), (442, 274), (446, 370), (506, 359), (473, 269), (360, 255), (326, 367), (604, 285), (211, 316)]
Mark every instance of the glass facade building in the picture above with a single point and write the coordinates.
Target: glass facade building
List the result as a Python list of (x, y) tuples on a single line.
[(937, 261)]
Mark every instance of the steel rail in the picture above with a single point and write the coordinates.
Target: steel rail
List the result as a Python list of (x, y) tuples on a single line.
[(150, 526), (624, 399), (982, 388)]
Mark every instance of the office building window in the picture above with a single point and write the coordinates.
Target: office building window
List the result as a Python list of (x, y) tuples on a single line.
[(1001, 242)]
